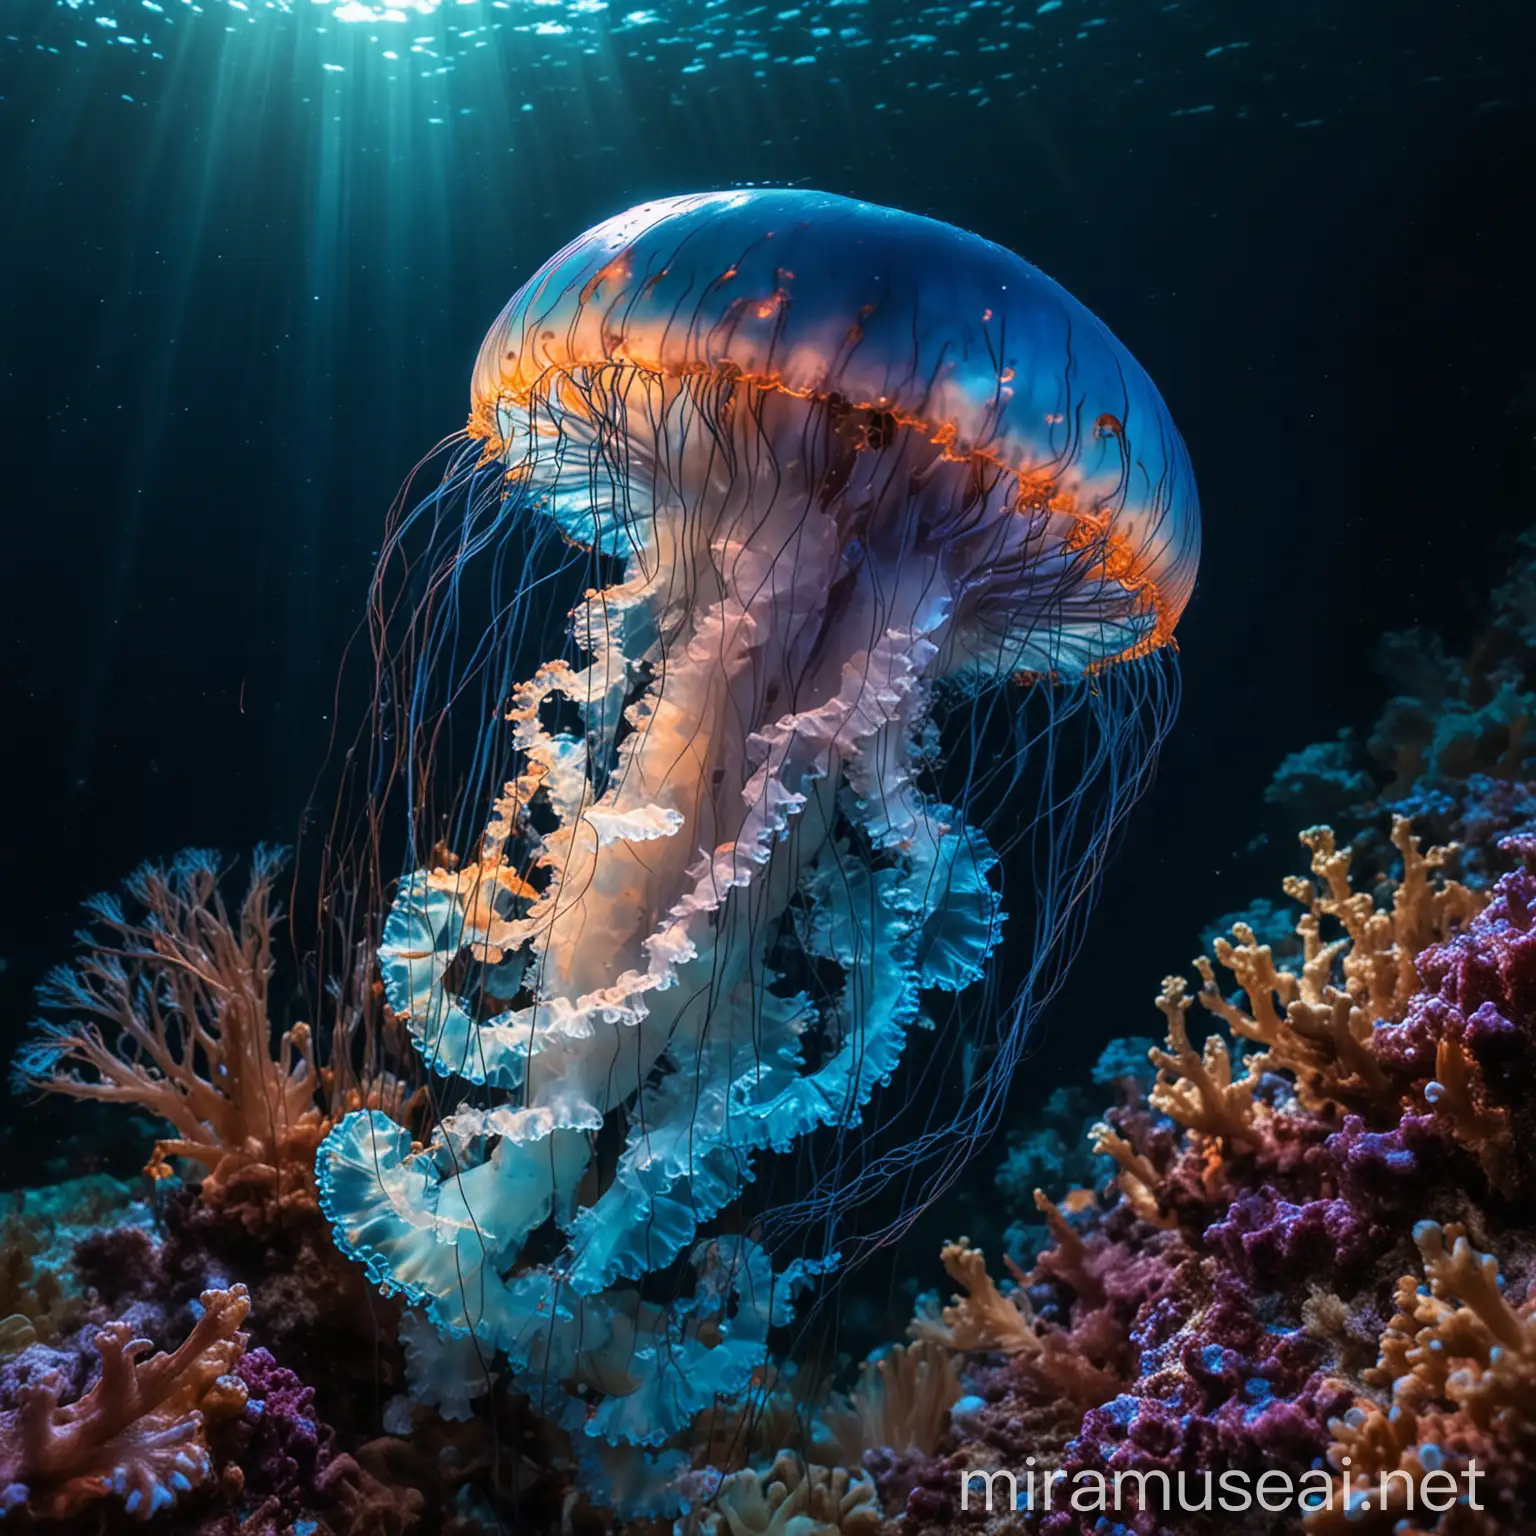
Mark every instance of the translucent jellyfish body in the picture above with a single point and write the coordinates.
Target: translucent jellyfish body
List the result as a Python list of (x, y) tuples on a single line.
[(886, 538)]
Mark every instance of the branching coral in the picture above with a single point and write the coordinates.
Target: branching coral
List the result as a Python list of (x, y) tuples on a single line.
[(984, 1320), (1217, 1296), (1318, 1023), (138, 1433), (1458, 1427), (981, 1319), (168, 1011), (1313, 1042), (1271, 1188), (1138, 1179), (1197, 1088)]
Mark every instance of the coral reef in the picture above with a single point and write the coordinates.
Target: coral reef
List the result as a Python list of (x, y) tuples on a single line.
[(140, 1433), (1297, 1241), (168, 1011), (1224, 1306), (1236, 1291), (1211, 1305), (288, 1456), (1456, 1436), (43, 1280), (1453, 746), (1466, 1046), (1215, 1309), (166, 1008)]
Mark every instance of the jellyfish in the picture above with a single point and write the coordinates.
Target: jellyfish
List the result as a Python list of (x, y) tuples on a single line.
[(873, 542)]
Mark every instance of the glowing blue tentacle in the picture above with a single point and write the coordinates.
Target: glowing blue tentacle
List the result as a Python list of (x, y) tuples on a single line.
[(422, 935), (431, 1225), (711, 1346)]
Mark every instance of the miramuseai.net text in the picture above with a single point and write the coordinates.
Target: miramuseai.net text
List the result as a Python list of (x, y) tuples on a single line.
[(1088, 1491)]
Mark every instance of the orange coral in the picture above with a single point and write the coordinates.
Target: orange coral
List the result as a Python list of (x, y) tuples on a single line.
[(1137, 1178), (138, 1433), (1459, 1364), (170, 1013), (900, 1403), (985, 1320)]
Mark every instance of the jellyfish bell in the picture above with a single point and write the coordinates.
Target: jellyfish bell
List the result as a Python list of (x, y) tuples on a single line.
[(871, 343), (884, 540)]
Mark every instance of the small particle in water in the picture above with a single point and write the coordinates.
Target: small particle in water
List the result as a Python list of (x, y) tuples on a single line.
[(1047, 5)]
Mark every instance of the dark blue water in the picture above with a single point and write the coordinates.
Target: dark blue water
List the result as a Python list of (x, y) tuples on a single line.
[(248, 253)]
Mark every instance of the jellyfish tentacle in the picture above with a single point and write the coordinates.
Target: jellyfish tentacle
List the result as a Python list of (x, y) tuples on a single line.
[(830, 470), (592, 851)]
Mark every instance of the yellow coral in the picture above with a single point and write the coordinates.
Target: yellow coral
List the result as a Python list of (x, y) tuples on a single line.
[(1317, 1024), (1138, 1179), (1197, 1088), (1458, 1363), (983, 1320)]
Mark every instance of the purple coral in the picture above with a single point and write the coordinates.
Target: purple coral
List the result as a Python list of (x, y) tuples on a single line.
[(1466, 1047), (1268, 1234), (286, 1446), (292, 1465), (119, 1264), (1216, 1388), (1273, 1241)]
